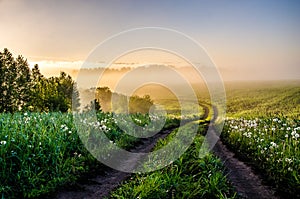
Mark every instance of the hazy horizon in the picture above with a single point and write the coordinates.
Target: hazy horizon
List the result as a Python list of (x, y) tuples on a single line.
[(247, 40)]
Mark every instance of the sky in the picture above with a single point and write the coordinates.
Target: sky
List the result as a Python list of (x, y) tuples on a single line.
[(247, 40)]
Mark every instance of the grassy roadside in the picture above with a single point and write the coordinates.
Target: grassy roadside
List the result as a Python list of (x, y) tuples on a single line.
[(271, 145), (263, 127), (40, 152)]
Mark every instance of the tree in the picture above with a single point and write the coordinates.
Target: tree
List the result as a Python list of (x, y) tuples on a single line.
[(23, 83), (65, 88), (8, 83), (104, 96), (51, 94), (58, 93), (38, 84), (94, 105), (2, 82), (75, 98), (120, 105), (25, 89), (140, 104)]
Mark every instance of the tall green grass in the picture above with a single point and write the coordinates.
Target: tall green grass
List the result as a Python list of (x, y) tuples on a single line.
[(187, 177), (263, 127), (39, 152), (272, 144)]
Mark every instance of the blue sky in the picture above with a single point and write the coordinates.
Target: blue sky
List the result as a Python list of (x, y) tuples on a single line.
[(244, 36)]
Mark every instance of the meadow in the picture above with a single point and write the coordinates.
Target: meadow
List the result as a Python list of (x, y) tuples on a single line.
[(262, 127), (39, 152), (272, 99), (271, 144), (187, 177), (42, 152)]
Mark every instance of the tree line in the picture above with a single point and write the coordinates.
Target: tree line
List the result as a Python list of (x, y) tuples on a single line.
[(25, 89), (122, 103)]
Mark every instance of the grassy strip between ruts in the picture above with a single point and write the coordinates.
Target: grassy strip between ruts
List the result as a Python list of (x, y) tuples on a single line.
[(187, 177)]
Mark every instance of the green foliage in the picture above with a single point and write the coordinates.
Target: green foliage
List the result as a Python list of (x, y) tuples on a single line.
[(24, 89), (263, 128), (272, 144), (104, 95), (264, 100), (140, 104), (118, 103), (8, 82), (175, 108), (187, 177), (39, 152)]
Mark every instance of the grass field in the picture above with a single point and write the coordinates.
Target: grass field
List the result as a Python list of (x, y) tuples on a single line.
[(278, 98), (271, 144), (187, 177), (40, 152), (263, 128)]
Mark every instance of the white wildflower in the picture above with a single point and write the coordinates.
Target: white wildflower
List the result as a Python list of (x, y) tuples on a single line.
[(288, 160), (293, 133), (273, 144)]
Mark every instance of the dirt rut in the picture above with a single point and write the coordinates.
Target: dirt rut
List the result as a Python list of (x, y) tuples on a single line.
[(248, 183), (100, 185)]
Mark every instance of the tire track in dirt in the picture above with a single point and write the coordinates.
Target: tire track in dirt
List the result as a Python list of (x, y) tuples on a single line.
[(101, 184), (247, 183)]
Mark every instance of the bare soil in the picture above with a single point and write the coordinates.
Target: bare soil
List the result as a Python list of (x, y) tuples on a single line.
[(247, 182)]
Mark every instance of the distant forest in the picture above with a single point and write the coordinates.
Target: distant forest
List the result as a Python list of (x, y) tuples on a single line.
[(122, 103), (25, 89)]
